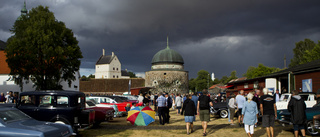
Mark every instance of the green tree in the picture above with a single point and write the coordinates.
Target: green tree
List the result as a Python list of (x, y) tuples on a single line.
[(300, 52), (132, 75), (43, 50), (260, 71)]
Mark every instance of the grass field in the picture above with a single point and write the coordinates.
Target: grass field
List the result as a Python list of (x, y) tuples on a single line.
[(217, 127)]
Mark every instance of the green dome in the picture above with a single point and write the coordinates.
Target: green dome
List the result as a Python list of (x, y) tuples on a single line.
[(167, 55)]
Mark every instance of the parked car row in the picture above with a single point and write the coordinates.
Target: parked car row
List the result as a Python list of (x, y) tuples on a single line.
[(64, 111)]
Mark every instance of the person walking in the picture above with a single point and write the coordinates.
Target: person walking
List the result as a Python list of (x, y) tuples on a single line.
[(240, 99), (169, 105), (250, 115), (162, 105), (268, 110), (204, 110), (178, 103), (297, 109), (9, 97), (151, 99), (189, 110), (195, 99), (146, 100), (232, 107), (155, 104)]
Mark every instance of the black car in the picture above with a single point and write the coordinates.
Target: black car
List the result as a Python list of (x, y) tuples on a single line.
[(220, 108), (67, 107)]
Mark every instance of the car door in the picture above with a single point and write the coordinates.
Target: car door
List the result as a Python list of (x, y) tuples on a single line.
[(29, 105), (46, 109)]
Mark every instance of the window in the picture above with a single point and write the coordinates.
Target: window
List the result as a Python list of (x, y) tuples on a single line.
[(28, 100), (117, 68), (46, 101), (245, 85), (113, 68), (113, 76), (62, 101), (256, 84), (164, 73), (117, 76)]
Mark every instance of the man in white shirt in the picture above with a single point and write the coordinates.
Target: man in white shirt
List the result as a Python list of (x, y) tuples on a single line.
[(140, 98), (240, 99)]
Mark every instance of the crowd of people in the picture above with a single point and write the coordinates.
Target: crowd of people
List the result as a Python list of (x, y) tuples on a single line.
[(10, 97), (252, 109)]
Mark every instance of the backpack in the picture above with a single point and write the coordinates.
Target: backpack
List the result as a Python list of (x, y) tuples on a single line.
[(204, 102)]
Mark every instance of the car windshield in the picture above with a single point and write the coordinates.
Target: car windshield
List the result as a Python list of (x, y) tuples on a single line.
[(90, 103), (284, 98), (117, 99), (12, 115)]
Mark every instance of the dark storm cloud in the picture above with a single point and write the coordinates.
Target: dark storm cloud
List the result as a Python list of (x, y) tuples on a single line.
[(218, 36)]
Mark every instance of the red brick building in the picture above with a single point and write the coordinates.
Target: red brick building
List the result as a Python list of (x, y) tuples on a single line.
[(305, 77)]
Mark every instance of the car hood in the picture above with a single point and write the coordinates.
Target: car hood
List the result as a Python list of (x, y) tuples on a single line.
[(49, 129)]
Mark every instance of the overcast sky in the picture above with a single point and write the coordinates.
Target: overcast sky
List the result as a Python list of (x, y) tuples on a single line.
[(215, 35)]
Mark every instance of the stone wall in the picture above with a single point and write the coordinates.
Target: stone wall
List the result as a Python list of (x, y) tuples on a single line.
[(167, 81), (110, 86)]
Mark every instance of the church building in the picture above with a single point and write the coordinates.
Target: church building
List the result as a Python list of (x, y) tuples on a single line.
[(167, 72)]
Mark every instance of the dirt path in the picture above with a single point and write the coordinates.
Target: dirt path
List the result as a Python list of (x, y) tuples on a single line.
[(217, 127)]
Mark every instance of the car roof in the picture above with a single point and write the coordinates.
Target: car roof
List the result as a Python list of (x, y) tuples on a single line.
[(53, 92)]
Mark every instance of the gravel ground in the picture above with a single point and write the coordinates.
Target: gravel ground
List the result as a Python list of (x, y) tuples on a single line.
[(217, 127)]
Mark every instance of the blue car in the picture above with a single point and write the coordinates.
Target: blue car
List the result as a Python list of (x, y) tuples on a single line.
[(14, 123)]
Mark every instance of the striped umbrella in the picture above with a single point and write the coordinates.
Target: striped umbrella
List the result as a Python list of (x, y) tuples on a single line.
[(141, 116)]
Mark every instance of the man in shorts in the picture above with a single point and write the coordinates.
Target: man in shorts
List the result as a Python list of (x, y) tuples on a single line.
[(268, 110), (240, 99), (204, 110)]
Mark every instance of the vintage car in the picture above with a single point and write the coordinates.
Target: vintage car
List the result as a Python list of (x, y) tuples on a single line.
[(309, 98), (96, 102), (67, 107), (220, 108), (14, 123), (101, 113), (284, 118), (121, 104), (129, 98)]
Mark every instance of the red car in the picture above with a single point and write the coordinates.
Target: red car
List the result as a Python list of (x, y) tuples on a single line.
[(101, 113), (112, 100)]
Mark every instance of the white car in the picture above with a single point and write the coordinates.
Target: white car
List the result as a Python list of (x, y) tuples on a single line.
[(309, 99)]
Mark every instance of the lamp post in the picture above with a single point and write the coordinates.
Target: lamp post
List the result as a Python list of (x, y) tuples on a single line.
[(208, 82)]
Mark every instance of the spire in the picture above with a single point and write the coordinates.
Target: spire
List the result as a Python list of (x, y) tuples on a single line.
[(168, 42), (24, 10)]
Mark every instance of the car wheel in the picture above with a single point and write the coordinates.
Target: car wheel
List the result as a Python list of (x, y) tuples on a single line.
[(62, 121), (224, 113), (310, 129)]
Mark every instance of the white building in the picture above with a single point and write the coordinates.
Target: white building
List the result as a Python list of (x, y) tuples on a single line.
[(109, 66)]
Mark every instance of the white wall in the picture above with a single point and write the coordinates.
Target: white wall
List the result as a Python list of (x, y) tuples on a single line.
[(271, 83), (11, 86), (109, 70)]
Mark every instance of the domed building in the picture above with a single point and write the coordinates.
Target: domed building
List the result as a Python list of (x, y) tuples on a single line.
[(167, 72)]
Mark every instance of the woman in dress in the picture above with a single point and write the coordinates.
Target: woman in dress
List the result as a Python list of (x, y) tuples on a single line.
[(249, 115), (190, 111)]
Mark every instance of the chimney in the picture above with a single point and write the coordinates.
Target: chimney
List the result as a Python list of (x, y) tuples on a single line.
[(112, 54), (103, 52)]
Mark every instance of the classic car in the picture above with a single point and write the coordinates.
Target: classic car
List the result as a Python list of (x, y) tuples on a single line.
[(220, 108), (101, 113), (309, 98), (116, 110), (14, 123), (129, 98), (284, 118), (67, 107), (121, 104)]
